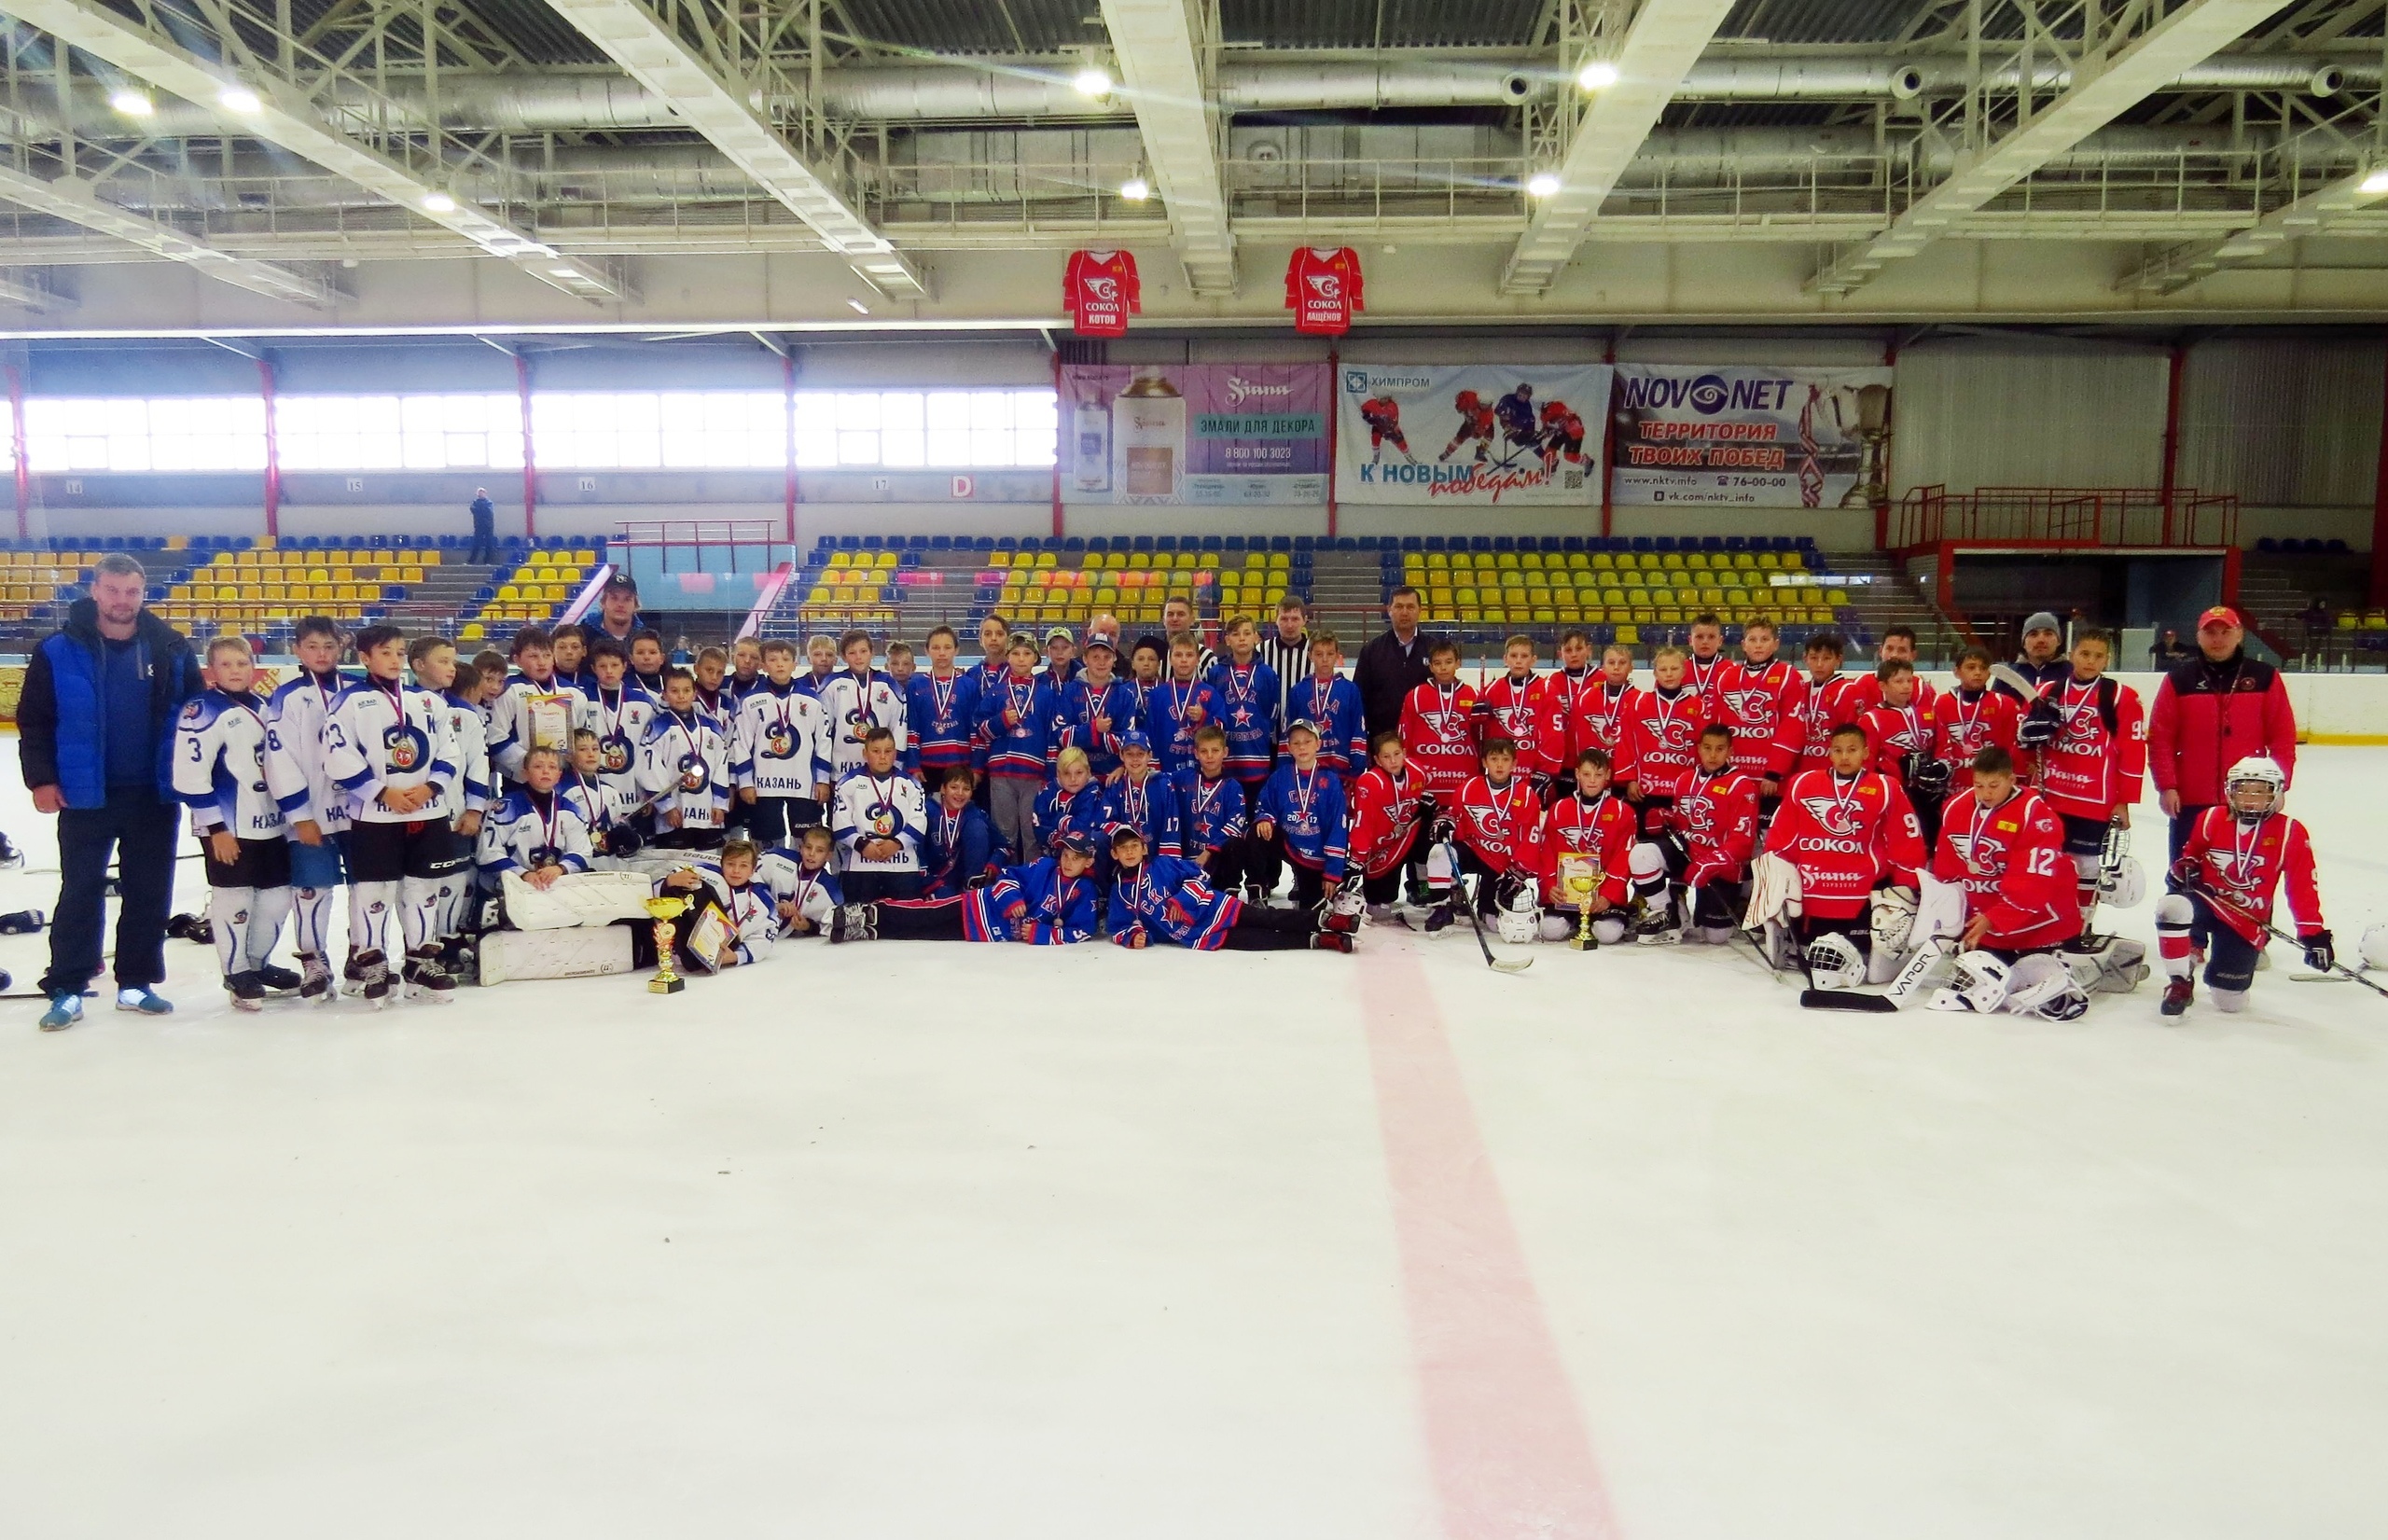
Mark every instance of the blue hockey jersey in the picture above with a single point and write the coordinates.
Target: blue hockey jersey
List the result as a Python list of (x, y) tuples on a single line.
[(1173, 710), (1248, 697), (1078, 708), (941, 716), (1149, 807), (1058, 811), (1307, 811), (1167, 899), (1057, 909), (1209, 812), (1334, 708), (956, 848), (1014, 748)]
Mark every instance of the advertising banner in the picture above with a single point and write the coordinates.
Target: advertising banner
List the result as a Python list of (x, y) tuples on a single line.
[(1470, 434), (1204, 434), (1748, 435)]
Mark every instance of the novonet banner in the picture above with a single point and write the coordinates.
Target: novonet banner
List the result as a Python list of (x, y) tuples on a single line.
[(1759, 438), (1479, 435)]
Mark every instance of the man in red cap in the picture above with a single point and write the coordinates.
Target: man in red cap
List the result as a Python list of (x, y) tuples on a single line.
[(2210, 712)]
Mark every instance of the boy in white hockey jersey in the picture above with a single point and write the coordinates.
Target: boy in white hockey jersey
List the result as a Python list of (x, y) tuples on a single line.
[(539, 831), (685, 767), (857, 699), (219, 773), (806, 882), (780, 754), (749, 910), (386, 746), (510, 718), (880, 815), (620, 711), (604, 809), (311, 801), (437, 671)]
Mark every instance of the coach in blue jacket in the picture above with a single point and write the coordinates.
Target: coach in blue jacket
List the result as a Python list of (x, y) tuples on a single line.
[(95, 737)]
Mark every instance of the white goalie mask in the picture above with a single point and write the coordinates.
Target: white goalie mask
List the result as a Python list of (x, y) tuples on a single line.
[(2125, 885), (1834, 963), (1520, 919)]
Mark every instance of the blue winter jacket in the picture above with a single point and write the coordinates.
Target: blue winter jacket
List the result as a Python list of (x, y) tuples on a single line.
[(62, 719)]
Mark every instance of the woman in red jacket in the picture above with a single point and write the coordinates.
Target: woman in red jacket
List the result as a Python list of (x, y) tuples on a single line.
[(2210, 713)]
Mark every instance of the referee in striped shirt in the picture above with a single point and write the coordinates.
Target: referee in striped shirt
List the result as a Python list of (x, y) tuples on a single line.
[(1286, 649)]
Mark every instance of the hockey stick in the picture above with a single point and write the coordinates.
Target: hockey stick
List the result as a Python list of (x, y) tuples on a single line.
[(1854, 1000), (1476, 922), (2337, 973)]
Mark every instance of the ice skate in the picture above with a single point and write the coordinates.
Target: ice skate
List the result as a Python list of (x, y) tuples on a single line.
[(246, 990), (315, 985), (2178, 992), (277, 980), (425, 979), (371, 972)]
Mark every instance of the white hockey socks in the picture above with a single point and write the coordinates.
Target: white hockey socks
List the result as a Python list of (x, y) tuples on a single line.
[(266, 914), (228, 916), (311, 913), (421, 900), (2174, 915), (370, 909)]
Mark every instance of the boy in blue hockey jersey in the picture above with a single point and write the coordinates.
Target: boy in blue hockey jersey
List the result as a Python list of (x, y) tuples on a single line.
[(1180, 706), (1248, 700), (959, 844), (1072, 804), (1044, 902), (1092, 708), (1210, 810), (1142, 798), (1301, 817), (1011, 735), (941, 711), (1157, 898), (219, 773), (1332, 703)]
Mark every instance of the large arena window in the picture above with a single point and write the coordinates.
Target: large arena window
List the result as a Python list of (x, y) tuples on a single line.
[(137, 434), (446, 432)]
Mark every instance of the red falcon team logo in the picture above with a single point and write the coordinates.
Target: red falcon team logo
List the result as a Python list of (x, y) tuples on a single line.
[(1750, 705), (1836, 818), (1679, 735), (1699, 818), (1102, 290), (1326, 286)]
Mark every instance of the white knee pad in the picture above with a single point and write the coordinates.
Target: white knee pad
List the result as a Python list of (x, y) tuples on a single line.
[(2229, 1002), (1557, 927), (1608, 929), (1648, 869), (1440, 871), (2173, 911)]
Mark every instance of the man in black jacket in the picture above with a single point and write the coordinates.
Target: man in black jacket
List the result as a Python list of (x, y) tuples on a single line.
[(1393, 665), (95, 733), (484, 529)]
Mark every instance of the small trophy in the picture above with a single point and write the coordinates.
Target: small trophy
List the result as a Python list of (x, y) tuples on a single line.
[(665, 908), (1580, 878)]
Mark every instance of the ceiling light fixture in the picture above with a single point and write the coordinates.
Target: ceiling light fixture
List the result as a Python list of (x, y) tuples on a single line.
[(2376, 182), (1597, 76), (1092, 82), (858, 306), (439, 202), (1135, 190), (1542, 183), (130, 103), (240, 99)]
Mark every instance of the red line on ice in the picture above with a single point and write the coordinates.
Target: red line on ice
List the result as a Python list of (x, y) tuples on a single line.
[(1510, 1456)]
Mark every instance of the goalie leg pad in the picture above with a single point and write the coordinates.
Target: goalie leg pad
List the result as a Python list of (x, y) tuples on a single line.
[(2115, 967), (579, 898), (577, 952)]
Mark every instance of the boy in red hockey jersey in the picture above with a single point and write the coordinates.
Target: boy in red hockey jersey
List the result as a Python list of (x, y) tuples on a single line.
[(1498, 822), (1897, 646), (1513, 707), (1390, 807), (2237, 857), (1823, 700), (1900, 730), (2091, 738), (2002, 889), (1972, 717), (1439, 726), (1710, 835), (1585, 707), (1755, 698), (1662, 726), (1593, 825), (1839, 834)]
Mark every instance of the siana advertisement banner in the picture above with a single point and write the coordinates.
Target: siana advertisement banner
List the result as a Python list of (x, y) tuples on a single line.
[(1204, 434), (1472, 435), (1755, 436)]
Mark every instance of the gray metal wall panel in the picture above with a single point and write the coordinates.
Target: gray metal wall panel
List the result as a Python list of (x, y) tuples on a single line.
[(2002, 414), (2284, 418)]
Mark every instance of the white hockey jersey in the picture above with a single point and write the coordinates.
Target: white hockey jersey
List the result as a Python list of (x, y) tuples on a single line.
[(525, 831), (783, 743), (869, 808), (602, 805), (295, 715), (855, 706), (468, 749), (220, 767), (621, 719), (387, 738), (752, 910), (509, 720), (685, 767), (814, 894)]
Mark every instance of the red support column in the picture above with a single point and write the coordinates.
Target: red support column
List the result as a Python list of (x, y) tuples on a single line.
[(2379, 508), (787, 419), (1608, 438), (17, 441), (1334, 412), (2174, 365), (1061, 427), (272, 450), (530, 456)]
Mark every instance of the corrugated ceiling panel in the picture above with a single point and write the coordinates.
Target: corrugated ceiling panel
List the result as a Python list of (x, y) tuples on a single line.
[(2007, 415), (2283, 419), (1381, 23)]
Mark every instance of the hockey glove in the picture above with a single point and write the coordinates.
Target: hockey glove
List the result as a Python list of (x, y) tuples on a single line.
[(2185, 873), (1929, 775), (2039, 725), (2318, 953), (1441, 834)]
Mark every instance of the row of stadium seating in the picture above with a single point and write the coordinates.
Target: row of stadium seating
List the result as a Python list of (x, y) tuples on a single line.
[(135, 544), (1307, 542)]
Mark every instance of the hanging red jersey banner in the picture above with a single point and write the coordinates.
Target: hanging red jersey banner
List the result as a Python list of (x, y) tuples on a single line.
[(1100, 288), (1323, 289)]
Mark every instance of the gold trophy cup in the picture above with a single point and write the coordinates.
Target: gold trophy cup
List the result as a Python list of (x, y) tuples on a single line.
[(1580, 878), (665, 908)]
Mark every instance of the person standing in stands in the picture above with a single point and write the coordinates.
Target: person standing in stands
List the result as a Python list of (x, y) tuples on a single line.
[(96, 730), (2218, 708), (484, 529)]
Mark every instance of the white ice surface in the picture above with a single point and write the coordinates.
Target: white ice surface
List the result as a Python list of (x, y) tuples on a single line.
[(943, 1242)]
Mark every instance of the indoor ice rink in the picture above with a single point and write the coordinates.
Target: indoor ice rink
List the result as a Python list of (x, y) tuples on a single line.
[(574, 333)]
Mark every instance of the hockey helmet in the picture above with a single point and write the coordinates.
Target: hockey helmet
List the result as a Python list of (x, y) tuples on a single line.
[(1520, 919), (2042, 985), (1467, 400), (1834, 963), (1979, 984), (2262, 782), (2124, 884)]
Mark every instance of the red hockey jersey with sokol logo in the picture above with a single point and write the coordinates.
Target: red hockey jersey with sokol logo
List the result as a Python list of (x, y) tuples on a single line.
[(1384, 817), (1101, 291), (1323, 289), (1717, 817), (1816, 710), (2245, 864), (1758, 703), (1501, 825), (1892, 733), (1585, 711), (2098, 761), (1704, 674), (1963, 725), (1438, 731), (1602, 829), (2010, 859), (1515, 711), (1662, 734), (1844, 837)]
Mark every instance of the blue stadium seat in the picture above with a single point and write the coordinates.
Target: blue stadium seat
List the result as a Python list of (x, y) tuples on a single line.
[(1303, 542), (113, 542), (816, 560), (1346, 543), (984, 542), (1074, 543), (850, 542), (1642, 542), (1052, 542), (1666, 542), (1736, 542), (2313, 546), (1411, 542), (1573, 542), (828, 542), (2268, 546), (940, 542), (1281, 541), (1235, 542), (379, 542), (483, 594), (1144, 542), (1503, 541), (1712, 542), (1805, 542), (244, 543), (1479, 542), (1005, 542), (1435, 542), (870, 542), (1165, 541), (1213, 542), (909, 559), (155, 593), (2335, 548), (920, 541)]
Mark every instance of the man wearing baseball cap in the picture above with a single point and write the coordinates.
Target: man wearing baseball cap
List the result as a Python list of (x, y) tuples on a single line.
[(2210, 712), (618, 613)]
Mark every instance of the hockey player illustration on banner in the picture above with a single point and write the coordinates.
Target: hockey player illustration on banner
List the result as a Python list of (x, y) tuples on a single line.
[(1475, 427), (1383, 414), (1561, 435), (1520, 431)]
